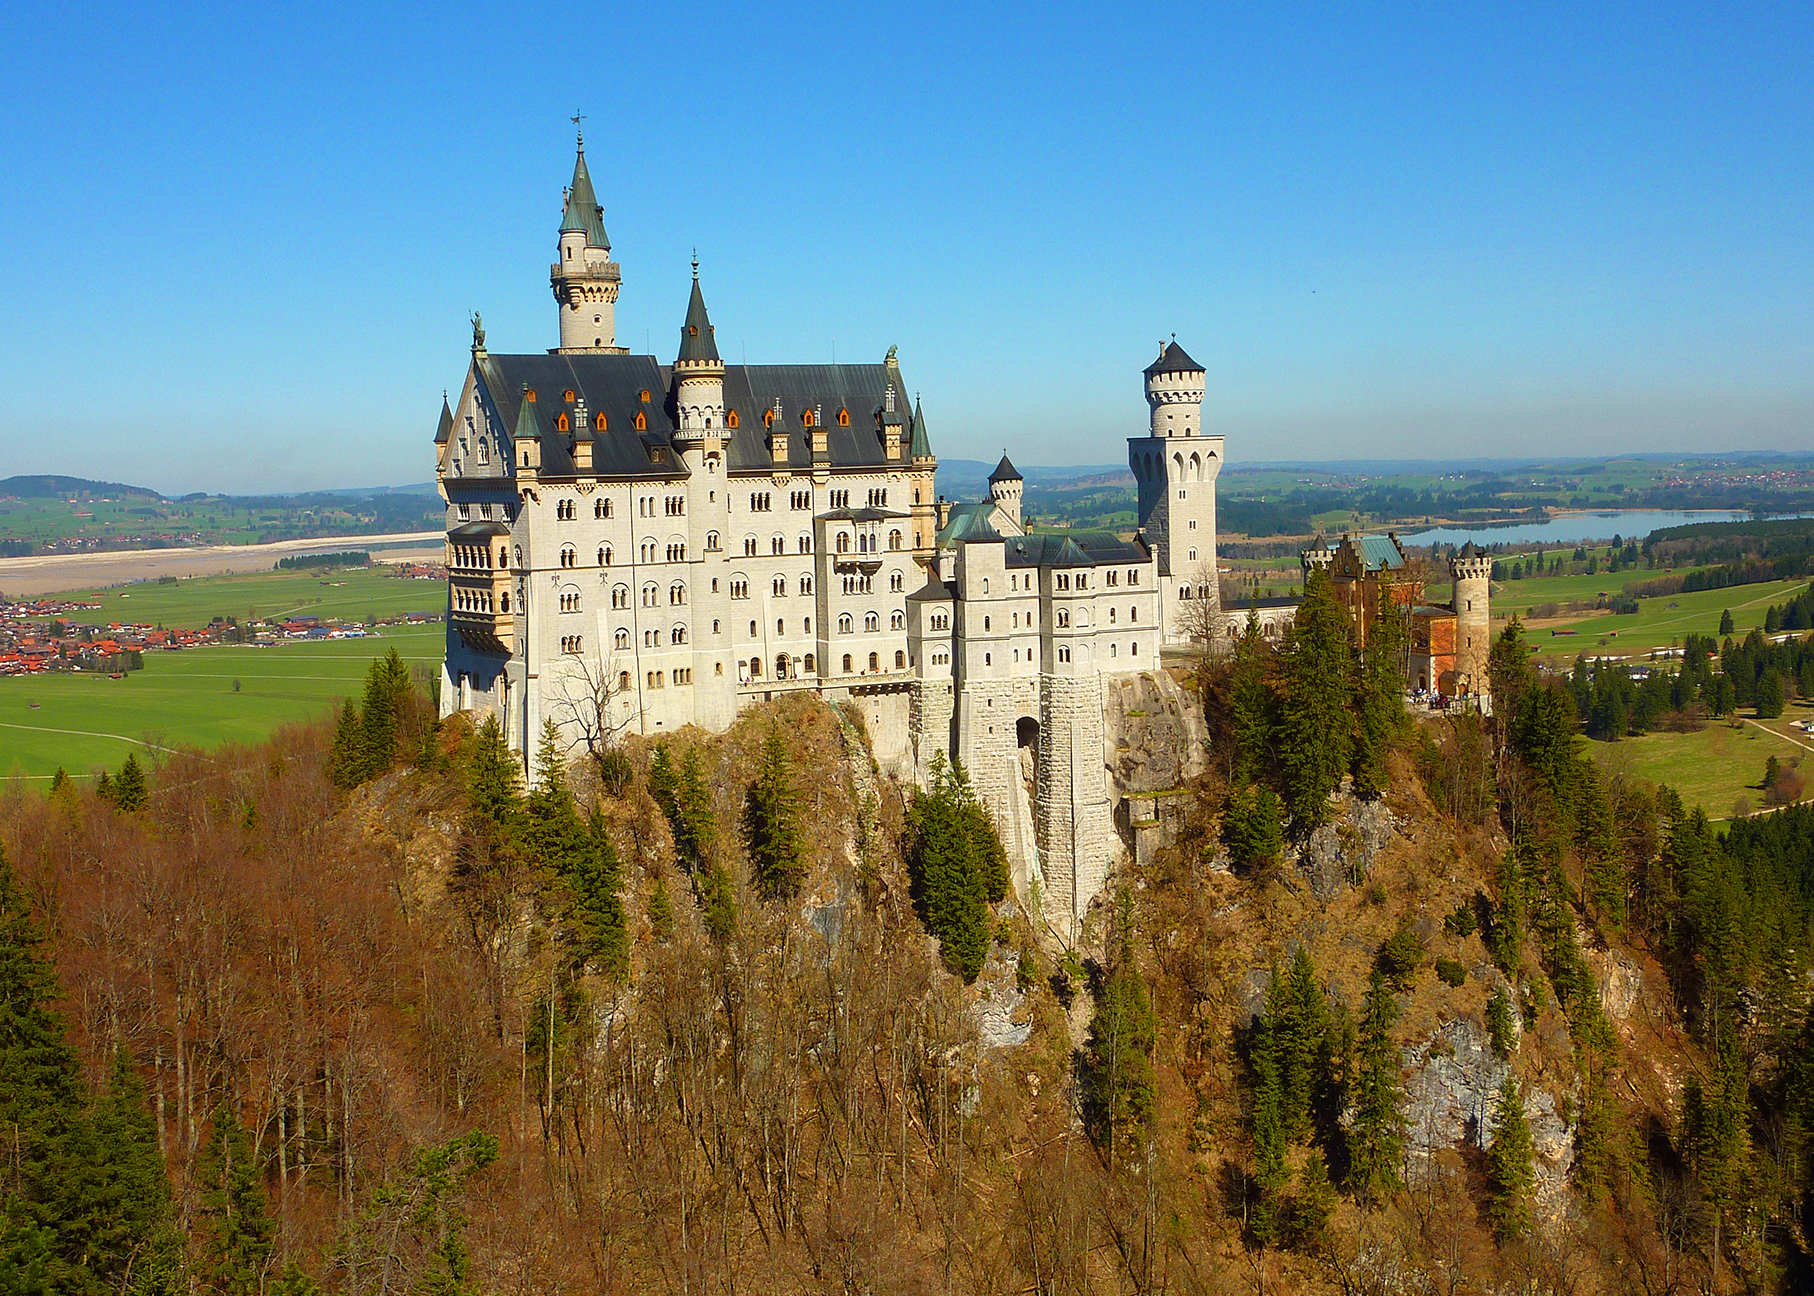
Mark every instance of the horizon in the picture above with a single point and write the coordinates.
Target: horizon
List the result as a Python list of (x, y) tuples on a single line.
[(1378, 234)]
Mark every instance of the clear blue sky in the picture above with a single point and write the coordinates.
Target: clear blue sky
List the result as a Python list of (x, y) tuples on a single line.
[(240, 245)]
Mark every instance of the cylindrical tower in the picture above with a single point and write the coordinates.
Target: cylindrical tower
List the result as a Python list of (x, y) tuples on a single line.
[(1005, 485), (1472, 572), (699, 373), (585, 279)]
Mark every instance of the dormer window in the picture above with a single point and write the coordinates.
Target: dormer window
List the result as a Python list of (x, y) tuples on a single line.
[(843, 418), (642, 421), (644, 396), (730, 419), (692, 330), (568, 397), (768, 418), (598, 423), (806, 418), (563, 424), (529, 394)]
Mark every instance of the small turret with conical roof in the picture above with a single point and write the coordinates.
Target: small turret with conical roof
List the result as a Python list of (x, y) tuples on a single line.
[(698, 372), (527, 443), (1005, 485), (1472, 572), (585, 279)]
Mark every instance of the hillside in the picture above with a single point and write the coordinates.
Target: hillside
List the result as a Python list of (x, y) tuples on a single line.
[(578, 1040), (52, 487)]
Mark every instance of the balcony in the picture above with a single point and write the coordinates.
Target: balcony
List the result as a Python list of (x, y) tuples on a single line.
[(608, 271), (490, 632)]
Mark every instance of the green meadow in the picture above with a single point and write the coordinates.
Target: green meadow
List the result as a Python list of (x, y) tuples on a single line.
[(1712, 768), (1658, 623), (188, 699), (353, 594)]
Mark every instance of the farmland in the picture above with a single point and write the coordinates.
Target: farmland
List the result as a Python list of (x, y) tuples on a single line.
[(353, 594), (202, 697), (1712, 768)]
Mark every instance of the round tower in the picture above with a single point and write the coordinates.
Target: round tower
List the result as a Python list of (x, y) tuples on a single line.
[(1472, 572), (698, 374), (1175, 385), (1175, 467), (585, 279), (1005, 485)]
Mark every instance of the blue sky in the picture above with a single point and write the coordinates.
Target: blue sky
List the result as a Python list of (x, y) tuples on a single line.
[(240, 245)]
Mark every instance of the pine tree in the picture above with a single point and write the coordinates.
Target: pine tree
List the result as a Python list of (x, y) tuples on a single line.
[(132, 1221), (103, 787), (387, 689), (1501, 1025), (695, 829), (1726, 623), (1510, 1177), (491, 777), (596, 912), (1376, 1132), (1597, 836), (234, 1223), (129, 792), (950, 867), (1715, 1138), (59, 781), (663, 786), (1253, 829), (661, 910), (1250, 703), (1379, 687), (1505, 938), (1509, 669), (1770, 694), (718, 899), (346, 757), (1315, 729), (1118, 1070), (771, 823)]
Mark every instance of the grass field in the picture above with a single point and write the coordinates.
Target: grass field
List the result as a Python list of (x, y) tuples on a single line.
[(354, 594), (187, 699), (1659, 623), (1712, 768)]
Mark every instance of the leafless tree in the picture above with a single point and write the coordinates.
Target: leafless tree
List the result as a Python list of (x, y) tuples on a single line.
[(591, 700)]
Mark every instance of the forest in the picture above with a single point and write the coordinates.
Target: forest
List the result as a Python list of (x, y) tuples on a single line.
[(358, 1011)]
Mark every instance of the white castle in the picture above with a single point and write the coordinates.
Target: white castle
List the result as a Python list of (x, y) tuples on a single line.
[(635, 547)]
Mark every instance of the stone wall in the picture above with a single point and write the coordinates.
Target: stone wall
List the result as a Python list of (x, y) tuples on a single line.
[(1073, 817), (888, 715)]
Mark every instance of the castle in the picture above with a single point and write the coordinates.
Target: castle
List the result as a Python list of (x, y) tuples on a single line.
[(636, 546)]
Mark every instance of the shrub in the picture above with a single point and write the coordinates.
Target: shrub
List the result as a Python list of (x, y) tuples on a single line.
[(1400, 957), (1501, 1027), (1463, 922), (1450, 973)]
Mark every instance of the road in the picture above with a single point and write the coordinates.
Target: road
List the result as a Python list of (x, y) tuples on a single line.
[(53, 573)]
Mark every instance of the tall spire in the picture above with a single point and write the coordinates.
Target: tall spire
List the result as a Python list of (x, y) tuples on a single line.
[(921, 445), (696, 341), (583, 214), (444, 429)]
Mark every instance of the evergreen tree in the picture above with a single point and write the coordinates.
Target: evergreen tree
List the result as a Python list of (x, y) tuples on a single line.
[(1770, 694), (950, 867), (1253, 828), (1501, 1025), (1715, 1138), (695, 829), (1597, 836), (1315, 731), (771, 823), (718, 898), (1118, 1069), (129, 791), (346, 757), (492, 781), (387, 689), (663, 786), (661, 910), (1505, 938), (59, 781), (1726, 623), (1510, 1177), (1250, 703), (233, 1221), (1379, 687), (103, 787), (1376, 1131), (596, 911), (132, 1219)]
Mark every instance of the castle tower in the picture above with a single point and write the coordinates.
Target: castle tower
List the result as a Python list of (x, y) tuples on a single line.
[(1472, 572), (925, 505), (585, 279), (699, 373), (1004, 488), (1175, 468), (699, 442)]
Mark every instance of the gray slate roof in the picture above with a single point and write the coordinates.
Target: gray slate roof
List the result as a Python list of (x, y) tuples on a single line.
[(1172, 359), (583, 211), (696, 341), (1073, 549), (444, 428), (1005, 471), (612, 385)]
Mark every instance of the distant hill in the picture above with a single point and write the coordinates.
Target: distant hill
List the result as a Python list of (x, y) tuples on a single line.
[(46, 486), (966, 479)]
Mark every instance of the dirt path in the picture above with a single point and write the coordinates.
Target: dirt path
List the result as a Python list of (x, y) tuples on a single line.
[(91, 733)]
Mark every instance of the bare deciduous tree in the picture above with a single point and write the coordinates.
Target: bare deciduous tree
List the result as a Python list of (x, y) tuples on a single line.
[(591, 700)]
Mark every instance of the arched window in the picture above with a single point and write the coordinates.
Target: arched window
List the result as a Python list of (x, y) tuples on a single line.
[(1064, 654), (677, 594), (730, 420), (641, 421), (569, 556), (678, 635), (755, 668), (847, 663), (806, 585), (807, 665), (900, 660), (604, 555), (776, 545), (871, 622), (780, 587), (781, 666), (1064, 618), (621, 640), (897, 582), (623, 680), (985, 625), (562, 423), (806, 544), (875, 661), (1111, 616), (711, 542), (894, 539), (844, 623), (897, 621), (651, 596), (843, 542), (643, 395), (749, 546), (620, 596)]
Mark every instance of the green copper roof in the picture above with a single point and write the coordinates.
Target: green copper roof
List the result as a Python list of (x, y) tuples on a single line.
[(583, 214), (921, 447), (526, 425), (1379, 552), (696, 341)]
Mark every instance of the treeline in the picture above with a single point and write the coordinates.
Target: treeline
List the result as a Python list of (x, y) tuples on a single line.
[(345, 558), (1755, 571), (1701, 543)]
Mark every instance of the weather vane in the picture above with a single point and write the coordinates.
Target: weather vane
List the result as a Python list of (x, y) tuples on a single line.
[(576, 119)]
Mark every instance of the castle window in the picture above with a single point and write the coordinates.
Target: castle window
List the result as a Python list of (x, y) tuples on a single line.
[(897, 583), (570, 644), (711, 542), (843, 542), (843, 418), (465, 510), (806, 544), (894, 539), (985, 625), (872, 623), (847, 663), (562, 423), (677, 553), (641, 421), (1183, 591), (806, 625), (806, 585), (897, 621), (715, 629), (643, 396), (567, 396), (1133, 615), (599, 423), (730, 420), (845, 624), (1111, 616), (806, 418), (623, 681), (776, 545), (752, 629), (900, 660), (620, 596), (875, 661), (677, 594), (621, 640), (678, 635), (740, 589), (1133, 575), (569, 557), (989, 660), (1064, 618), (1111, 650), (780, 587), (755, 668), (749, 546), (768, 418), (604, 555), (808, 665), (651, 595), (1134, 648), (529, 394), (1064, 654)]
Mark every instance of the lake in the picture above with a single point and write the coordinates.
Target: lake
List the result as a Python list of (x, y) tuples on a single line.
[(1572, 528)]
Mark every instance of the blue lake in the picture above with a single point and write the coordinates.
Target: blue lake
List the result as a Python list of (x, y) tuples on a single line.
[(1572, 528)]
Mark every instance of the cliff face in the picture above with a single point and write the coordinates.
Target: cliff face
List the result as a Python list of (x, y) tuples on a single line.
[(805, 1100)]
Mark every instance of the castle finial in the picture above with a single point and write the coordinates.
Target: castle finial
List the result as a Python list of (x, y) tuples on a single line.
[(580, 135), (695, 265)]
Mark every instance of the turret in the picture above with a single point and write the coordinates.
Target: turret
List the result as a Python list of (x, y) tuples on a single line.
[(585, 279), (1174, 390), (698, 373), (1472, 572), (1175, 468), (1004, 488), (526, 445)]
